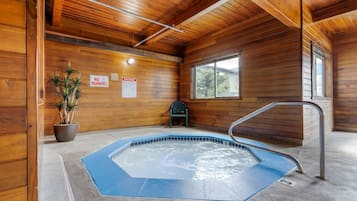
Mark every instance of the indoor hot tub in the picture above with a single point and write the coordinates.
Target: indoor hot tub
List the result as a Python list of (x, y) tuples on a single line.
[(184, 166)]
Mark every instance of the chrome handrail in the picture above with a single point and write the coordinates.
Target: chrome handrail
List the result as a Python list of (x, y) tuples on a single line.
[(272, 105)]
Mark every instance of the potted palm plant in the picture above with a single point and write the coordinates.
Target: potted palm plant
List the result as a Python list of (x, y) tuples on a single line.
[(67, 86)]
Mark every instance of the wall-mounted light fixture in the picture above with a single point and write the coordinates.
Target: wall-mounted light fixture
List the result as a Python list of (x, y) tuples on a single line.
[(130, 61)]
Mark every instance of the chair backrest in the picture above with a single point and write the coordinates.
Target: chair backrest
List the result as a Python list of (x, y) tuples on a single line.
[(178, 107)]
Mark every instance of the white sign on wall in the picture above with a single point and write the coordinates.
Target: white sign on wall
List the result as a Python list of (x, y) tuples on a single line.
[(128, 87), (99, 81)]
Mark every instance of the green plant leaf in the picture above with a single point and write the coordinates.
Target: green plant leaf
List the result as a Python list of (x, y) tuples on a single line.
[(67, 86)]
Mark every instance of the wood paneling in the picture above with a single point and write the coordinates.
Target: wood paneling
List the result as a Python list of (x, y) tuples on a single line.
[(13, 120), (13, 92), (341, 21), (318, 4), (57, 12), (13, 13), (12, 65), (223, 17), (15, 174), (18, 68), (105, 34), (40, 92), (161, 10), (57, 37), (79, 13), (16, 194), (334, 10), (104, 108), (92, 31), (13, 39), (345, 82), (13, 147), (270, 71), (339, 24), (314, 34), (195, 11), (287, 12), (35, 64)]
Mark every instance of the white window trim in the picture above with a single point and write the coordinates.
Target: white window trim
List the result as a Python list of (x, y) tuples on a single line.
[(194, 84), (318, 53)]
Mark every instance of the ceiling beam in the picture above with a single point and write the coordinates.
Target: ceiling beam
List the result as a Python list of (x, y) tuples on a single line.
[(73, 40), (199, 9), (57, 12), (286, 11), (334, 10)]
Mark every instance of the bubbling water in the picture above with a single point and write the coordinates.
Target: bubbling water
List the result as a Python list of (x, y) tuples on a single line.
[(177, 159)]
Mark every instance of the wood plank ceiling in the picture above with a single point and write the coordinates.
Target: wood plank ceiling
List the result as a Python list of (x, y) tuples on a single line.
[(333, 16), (196, 17)]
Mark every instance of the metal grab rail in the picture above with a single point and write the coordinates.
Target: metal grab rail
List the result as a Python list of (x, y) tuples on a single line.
[(272, 105)]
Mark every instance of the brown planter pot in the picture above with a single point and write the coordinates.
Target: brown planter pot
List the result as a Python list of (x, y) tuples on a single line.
[(65, 132)]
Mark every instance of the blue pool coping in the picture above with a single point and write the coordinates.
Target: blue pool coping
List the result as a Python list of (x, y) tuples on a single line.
[(111, 180)]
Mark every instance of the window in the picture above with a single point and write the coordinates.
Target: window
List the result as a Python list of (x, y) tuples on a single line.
[(318, 72), (217, 79)]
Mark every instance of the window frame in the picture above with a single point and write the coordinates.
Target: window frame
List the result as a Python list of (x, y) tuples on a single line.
[(317, 52), (193, 95)]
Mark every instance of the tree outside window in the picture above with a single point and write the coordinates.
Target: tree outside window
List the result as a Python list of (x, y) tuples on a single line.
[(218, 79)]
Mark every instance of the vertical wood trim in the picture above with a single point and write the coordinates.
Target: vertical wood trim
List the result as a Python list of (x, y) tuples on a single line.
[(40, 82), (301, 46), (31, 49)]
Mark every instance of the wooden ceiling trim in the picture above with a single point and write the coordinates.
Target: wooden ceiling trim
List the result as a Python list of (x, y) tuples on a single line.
[(318, 4), (68, 39), (91, 30), (333, 10), (57, 12), (342, 23), (288, 12), (199, 9)]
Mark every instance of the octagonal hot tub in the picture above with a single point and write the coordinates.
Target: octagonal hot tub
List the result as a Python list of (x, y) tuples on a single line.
[(206, 166)]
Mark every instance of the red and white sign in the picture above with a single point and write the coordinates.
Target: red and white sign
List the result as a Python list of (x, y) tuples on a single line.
[(128, 87), (129, 79), (99, 81)]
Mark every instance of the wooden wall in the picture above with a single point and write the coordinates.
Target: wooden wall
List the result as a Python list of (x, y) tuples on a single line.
[(270, 71), (104, 108), (345, 82), (314, 34), (13, 132), (18, 114)]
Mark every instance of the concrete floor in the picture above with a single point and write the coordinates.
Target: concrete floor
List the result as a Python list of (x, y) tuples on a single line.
[(341, 166)]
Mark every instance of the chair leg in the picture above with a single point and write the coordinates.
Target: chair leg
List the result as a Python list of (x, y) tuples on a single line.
[(170, 122), (186, 124)]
